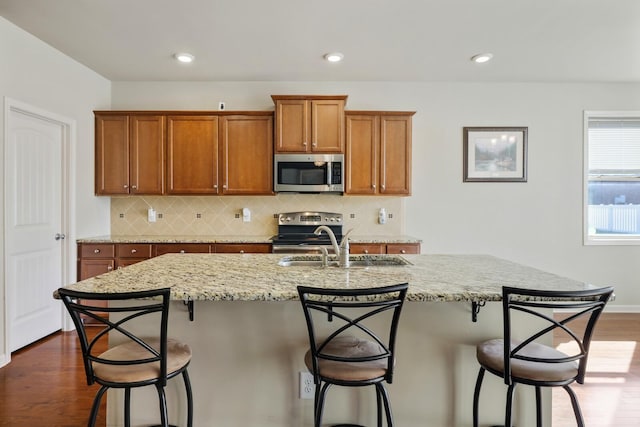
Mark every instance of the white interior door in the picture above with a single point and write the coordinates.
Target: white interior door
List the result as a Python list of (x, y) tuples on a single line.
[(33, 226)]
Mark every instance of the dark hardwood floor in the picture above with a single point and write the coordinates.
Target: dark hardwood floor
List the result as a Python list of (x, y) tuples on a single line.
[(44, 385)]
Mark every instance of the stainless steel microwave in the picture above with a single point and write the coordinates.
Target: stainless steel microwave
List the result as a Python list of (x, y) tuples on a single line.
[(308, 173)]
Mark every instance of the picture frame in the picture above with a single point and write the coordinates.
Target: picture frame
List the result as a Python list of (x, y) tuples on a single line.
[(495, 154)]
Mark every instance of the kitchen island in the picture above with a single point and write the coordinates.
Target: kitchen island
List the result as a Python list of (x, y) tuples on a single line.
[(249, 337)]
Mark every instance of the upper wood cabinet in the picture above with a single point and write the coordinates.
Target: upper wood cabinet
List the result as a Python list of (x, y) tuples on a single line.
[(192, 154), (246, 153), (309, 123), (129, 153), (378, 152)]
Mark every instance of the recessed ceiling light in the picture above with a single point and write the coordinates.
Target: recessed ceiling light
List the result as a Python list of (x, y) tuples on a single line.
[(184, 57), (482, 58), (334, 57)]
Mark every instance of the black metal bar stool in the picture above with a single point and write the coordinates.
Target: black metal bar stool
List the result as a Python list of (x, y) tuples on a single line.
[(352, 352), (525, 361), (138, 361)]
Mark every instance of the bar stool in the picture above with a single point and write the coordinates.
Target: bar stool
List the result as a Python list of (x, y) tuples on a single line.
[(526, 361), (352, 352), (138, 361)]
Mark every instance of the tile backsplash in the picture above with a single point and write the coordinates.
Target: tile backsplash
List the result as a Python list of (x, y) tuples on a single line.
[(222, 215)]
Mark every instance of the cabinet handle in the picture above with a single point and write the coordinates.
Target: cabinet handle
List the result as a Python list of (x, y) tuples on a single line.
[(241, 251), (383, 186), (182, 251), (109, 268), (133, 251), (314, 144), (126, 186), (215, 186), (224, 186), (96, 251), (402, 251), (304, 143), (373, 186), (366, 251), (134, 187)]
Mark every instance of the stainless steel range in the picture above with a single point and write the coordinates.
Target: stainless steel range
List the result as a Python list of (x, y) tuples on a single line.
[(295, 232)]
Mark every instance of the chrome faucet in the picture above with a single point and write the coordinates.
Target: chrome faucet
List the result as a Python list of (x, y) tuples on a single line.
[(341, 251)]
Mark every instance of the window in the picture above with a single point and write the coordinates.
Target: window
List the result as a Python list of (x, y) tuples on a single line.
[(612, 177)]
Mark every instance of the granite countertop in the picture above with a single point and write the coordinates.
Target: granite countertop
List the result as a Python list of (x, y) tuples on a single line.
[(258, 277), (230, 239)]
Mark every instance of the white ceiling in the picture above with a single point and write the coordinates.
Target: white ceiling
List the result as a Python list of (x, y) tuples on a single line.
[(382, 40)]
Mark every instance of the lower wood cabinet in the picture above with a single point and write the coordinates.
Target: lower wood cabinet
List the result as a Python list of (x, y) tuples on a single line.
[(99, 258)]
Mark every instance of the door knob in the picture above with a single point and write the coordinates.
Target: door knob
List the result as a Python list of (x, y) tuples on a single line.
[(60, 236)]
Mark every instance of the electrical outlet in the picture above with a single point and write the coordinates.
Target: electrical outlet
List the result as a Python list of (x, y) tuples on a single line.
[(307, 387)]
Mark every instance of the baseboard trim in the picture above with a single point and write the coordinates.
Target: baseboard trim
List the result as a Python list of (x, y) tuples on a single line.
[(615, 308)]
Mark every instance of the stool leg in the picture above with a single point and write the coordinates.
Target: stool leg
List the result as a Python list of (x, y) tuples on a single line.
[(187, 386), (576, 406), (127, 407), (163, 406), (319, 407), (476, 396), (387, 405), (96, 406), (538, 407), (507, 417), (379, 406)]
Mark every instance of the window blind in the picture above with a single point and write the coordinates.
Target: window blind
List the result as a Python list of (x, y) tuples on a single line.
[(614, 146)]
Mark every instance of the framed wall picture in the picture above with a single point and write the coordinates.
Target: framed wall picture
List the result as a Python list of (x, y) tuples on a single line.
[(495, 154)]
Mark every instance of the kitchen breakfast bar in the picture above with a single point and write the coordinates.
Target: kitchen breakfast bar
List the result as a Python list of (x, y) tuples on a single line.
[(241, 315)]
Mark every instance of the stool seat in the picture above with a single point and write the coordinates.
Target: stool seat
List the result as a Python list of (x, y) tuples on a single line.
[(350, 347), (490, 354), (178, 356)]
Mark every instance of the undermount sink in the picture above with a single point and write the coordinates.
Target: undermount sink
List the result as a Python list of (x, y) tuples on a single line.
[(357, 261)]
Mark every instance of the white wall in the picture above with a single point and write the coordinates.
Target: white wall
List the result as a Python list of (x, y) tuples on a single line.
[(36, 74), (538, 223)]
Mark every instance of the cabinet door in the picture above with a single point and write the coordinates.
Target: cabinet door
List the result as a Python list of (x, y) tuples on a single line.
[(292, 126), (327, 126), (192, 154), (395, 155), (146, 154), (124, 262), (94, 267), (362, 154), (111, 154), (247, 154)]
